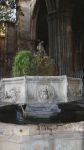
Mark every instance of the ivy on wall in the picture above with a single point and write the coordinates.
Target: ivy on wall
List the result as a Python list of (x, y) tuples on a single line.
[(7, 10)]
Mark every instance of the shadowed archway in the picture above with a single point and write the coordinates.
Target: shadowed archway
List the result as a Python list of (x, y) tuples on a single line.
[(40, 23), (42, 26), (56, 31)]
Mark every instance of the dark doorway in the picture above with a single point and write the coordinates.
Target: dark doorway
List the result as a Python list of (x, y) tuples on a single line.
[(42, 25)]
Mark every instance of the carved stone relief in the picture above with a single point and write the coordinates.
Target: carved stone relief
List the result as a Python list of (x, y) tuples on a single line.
[(45, 93), (75, 89), (12, 95), (40, 90), (13, 90)]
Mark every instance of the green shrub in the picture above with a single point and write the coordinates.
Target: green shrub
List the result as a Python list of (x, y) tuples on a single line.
[(25, 63)]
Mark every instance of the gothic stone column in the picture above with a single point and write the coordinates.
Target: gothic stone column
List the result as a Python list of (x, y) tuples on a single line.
[(60, 39)]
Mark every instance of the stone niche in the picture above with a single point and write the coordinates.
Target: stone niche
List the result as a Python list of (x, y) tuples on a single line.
[(36, 90), (42, 137)]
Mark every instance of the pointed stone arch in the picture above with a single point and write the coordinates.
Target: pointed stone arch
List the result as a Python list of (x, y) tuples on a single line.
[(38, 21), (50, 7), (60, 34)]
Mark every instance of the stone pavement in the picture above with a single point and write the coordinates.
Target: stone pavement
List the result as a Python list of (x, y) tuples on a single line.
[(42, 136)]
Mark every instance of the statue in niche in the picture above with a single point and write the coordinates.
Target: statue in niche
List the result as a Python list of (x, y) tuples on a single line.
[(40, 49)]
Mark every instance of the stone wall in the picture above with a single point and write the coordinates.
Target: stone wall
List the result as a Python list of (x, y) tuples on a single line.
[(42, 136), (23, 26)]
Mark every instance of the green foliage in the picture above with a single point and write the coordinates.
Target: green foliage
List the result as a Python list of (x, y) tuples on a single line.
[(8, 11), (25, 63)]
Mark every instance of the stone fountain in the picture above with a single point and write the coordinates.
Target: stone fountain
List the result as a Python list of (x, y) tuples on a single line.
[(42, 95)]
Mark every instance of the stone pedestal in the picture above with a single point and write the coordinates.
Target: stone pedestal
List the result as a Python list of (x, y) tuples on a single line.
[(42, 137)]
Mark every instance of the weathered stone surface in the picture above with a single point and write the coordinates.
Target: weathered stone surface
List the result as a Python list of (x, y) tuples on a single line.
[(41, 89), (75, 89), (23, 25), (41, 137), (13, 90), (47, 89), (34, 90), (42, 94)]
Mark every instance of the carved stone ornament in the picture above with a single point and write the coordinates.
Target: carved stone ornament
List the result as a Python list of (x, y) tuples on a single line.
[(35, 90), (13, 90), (12, 95), (45, 93)]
